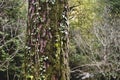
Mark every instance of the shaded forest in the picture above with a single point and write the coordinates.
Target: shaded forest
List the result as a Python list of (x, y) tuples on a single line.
[(59, 39)]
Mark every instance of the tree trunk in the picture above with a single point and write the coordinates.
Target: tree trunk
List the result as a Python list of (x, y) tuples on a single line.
[(46, 55)]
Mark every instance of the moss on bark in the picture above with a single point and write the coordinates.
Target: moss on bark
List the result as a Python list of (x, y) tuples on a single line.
[(47, 39)]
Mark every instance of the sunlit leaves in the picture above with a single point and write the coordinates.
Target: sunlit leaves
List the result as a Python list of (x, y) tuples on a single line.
[(43, 0)]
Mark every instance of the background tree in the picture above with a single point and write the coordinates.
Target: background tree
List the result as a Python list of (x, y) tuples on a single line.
[(12, 22), (95, 30)]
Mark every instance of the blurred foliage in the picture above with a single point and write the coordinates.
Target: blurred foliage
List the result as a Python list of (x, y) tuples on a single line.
[(12, 26), (81, 21), (91, 22), (115, 5)]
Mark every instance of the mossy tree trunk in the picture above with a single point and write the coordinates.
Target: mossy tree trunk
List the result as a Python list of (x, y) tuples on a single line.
[(46, 55)]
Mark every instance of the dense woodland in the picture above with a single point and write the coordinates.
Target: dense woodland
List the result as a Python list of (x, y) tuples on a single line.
[(59, 39)]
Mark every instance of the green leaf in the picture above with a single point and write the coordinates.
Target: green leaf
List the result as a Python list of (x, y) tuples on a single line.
[(29, 76), (43, 0)]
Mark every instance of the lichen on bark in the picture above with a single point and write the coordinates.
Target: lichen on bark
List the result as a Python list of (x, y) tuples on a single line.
[(46, 55)]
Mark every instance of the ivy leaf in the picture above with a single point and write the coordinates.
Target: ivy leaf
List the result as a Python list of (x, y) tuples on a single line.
[(52, 1), (56, 45), (43, 0), (29, 77)]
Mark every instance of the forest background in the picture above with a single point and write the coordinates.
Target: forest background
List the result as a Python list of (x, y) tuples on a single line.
[(94, 39)]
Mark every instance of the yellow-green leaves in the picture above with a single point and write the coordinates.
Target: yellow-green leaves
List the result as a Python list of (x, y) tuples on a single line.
[(30, 77), (43, 0)]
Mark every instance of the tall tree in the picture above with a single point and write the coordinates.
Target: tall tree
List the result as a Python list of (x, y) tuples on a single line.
[(46, 55)]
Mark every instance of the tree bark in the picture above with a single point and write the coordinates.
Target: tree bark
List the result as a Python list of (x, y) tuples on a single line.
[(46, 56)]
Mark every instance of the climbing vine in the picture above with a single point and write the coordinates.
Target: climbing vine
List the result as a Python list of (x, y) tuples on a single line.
[(47, 39)]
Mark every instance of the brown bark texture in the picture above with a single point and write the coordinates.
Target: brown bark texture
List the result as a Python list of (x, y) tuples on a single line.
[(46, 56)]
